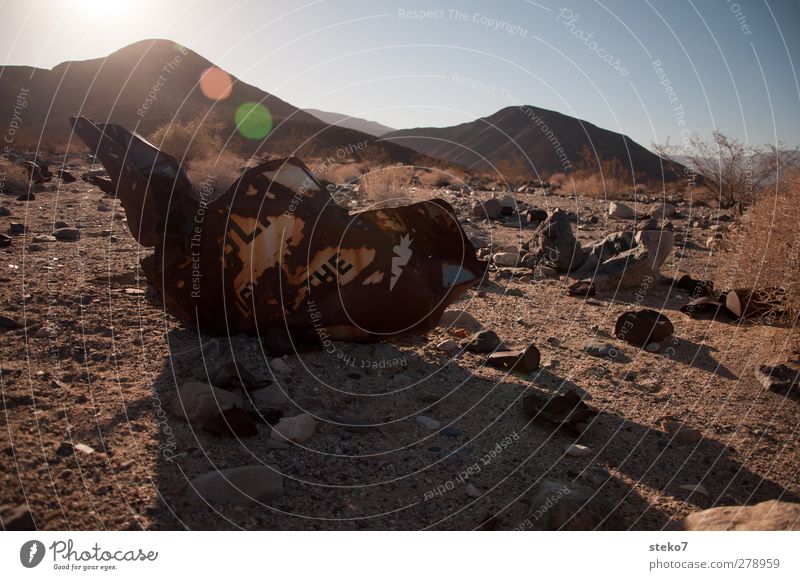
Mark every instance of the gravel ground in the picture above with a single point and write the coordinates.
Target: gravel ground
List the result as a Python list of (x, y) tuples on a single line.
[(96, 361)]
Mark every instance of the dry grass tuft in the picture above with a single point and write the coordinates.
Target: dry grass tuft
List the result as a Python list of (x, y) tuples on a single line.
[(763, 252), (388, 184), (214, 175), (13, 177), (187, 141)]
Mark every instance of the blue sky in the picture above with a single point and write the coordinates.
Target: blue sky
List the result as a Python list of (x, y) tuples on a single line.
[(728, 65)]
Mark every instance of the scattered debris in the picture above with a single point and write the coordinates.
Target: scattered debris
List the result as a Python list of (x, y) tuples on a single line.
[(779, 378), (641, 327), (582, 288), (524, 361), (482, 342), (706, 308), (234, 376), (696, 288), (747, 304), (566, 410)]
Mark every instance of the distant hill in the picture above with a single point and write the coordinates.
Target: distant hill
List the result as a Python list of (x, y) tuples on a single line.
[(152, 82), (514, 138), (356, 123)]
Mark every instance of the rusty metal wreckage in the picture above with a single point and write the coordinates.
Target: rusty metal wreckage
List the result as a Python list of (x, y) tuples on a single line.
[(275, 256)]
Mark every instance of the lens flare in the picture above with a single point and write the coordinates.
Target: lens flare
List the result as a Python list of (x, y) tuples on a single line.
[(216, 84), (253, 120)]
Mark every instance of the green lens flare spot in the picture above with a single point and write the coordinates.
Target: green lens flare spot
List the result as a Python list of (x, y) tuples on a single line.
[(253, 120)]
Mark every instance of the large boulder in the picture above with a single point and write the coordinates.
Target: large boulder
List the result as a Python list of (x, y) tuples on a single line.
[(767, 515), (555, 244)]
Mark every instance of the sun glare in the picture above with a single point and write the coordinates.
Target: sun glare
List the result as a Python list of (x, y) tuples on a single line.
[(103, 8)]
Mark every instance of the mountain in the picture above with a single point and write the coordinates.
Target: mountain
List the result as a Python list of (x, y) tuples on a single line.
[(356, 123), (152, 82), (514, 138)]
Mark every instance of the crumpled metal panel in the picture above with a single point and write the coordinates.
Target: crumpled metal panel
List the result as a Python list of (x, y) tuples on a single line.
[(276, 256)]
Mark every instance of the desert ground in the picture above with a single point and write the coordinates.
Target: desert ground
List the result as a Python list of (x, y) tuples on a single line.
[(89, 439)]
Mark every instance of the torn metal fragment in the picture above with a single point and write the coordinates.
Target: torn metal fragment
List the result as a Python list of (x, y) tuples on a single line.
[(276, 256)]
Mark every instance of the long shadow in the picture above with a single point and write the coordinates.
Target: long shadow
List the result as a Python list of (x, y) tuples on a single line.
[(369, 468)]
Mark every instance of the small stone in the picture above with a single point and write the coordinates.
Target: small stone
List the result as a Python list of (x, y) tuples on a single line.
[(694, 488), (7, 323), (653, 347), (297, 429), (557, 505), (576, 450), (482, 342), (682, 434), (17, 228), (548, 272), (472, 491), (239, 485), (280, 367), (44, 239), (644, 326), (619, 210), (46, 332), (524, 361), (67, 234), (779, 378), (449, 346), (597, 348), (460, 319), (428, 422), (272, 396), (16, 518), (515, 292), (4, 211), (505, 259), (202, 403)]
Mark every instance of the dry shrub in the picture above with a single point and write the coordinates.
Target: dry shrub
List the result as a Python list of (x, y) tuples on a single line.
[(213, 175), (187, 141), (763, 252), (388, 184), (13, 177), (340, 172)]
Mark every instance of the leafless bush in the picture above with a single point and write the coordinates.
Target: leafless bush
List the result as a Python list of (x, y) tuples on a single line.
[(732, 171), (763, 252), (187, 141)]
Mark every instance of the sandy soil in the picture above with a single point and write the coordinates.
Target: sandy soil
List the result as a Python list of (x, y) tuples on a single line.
[(97, 359)]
